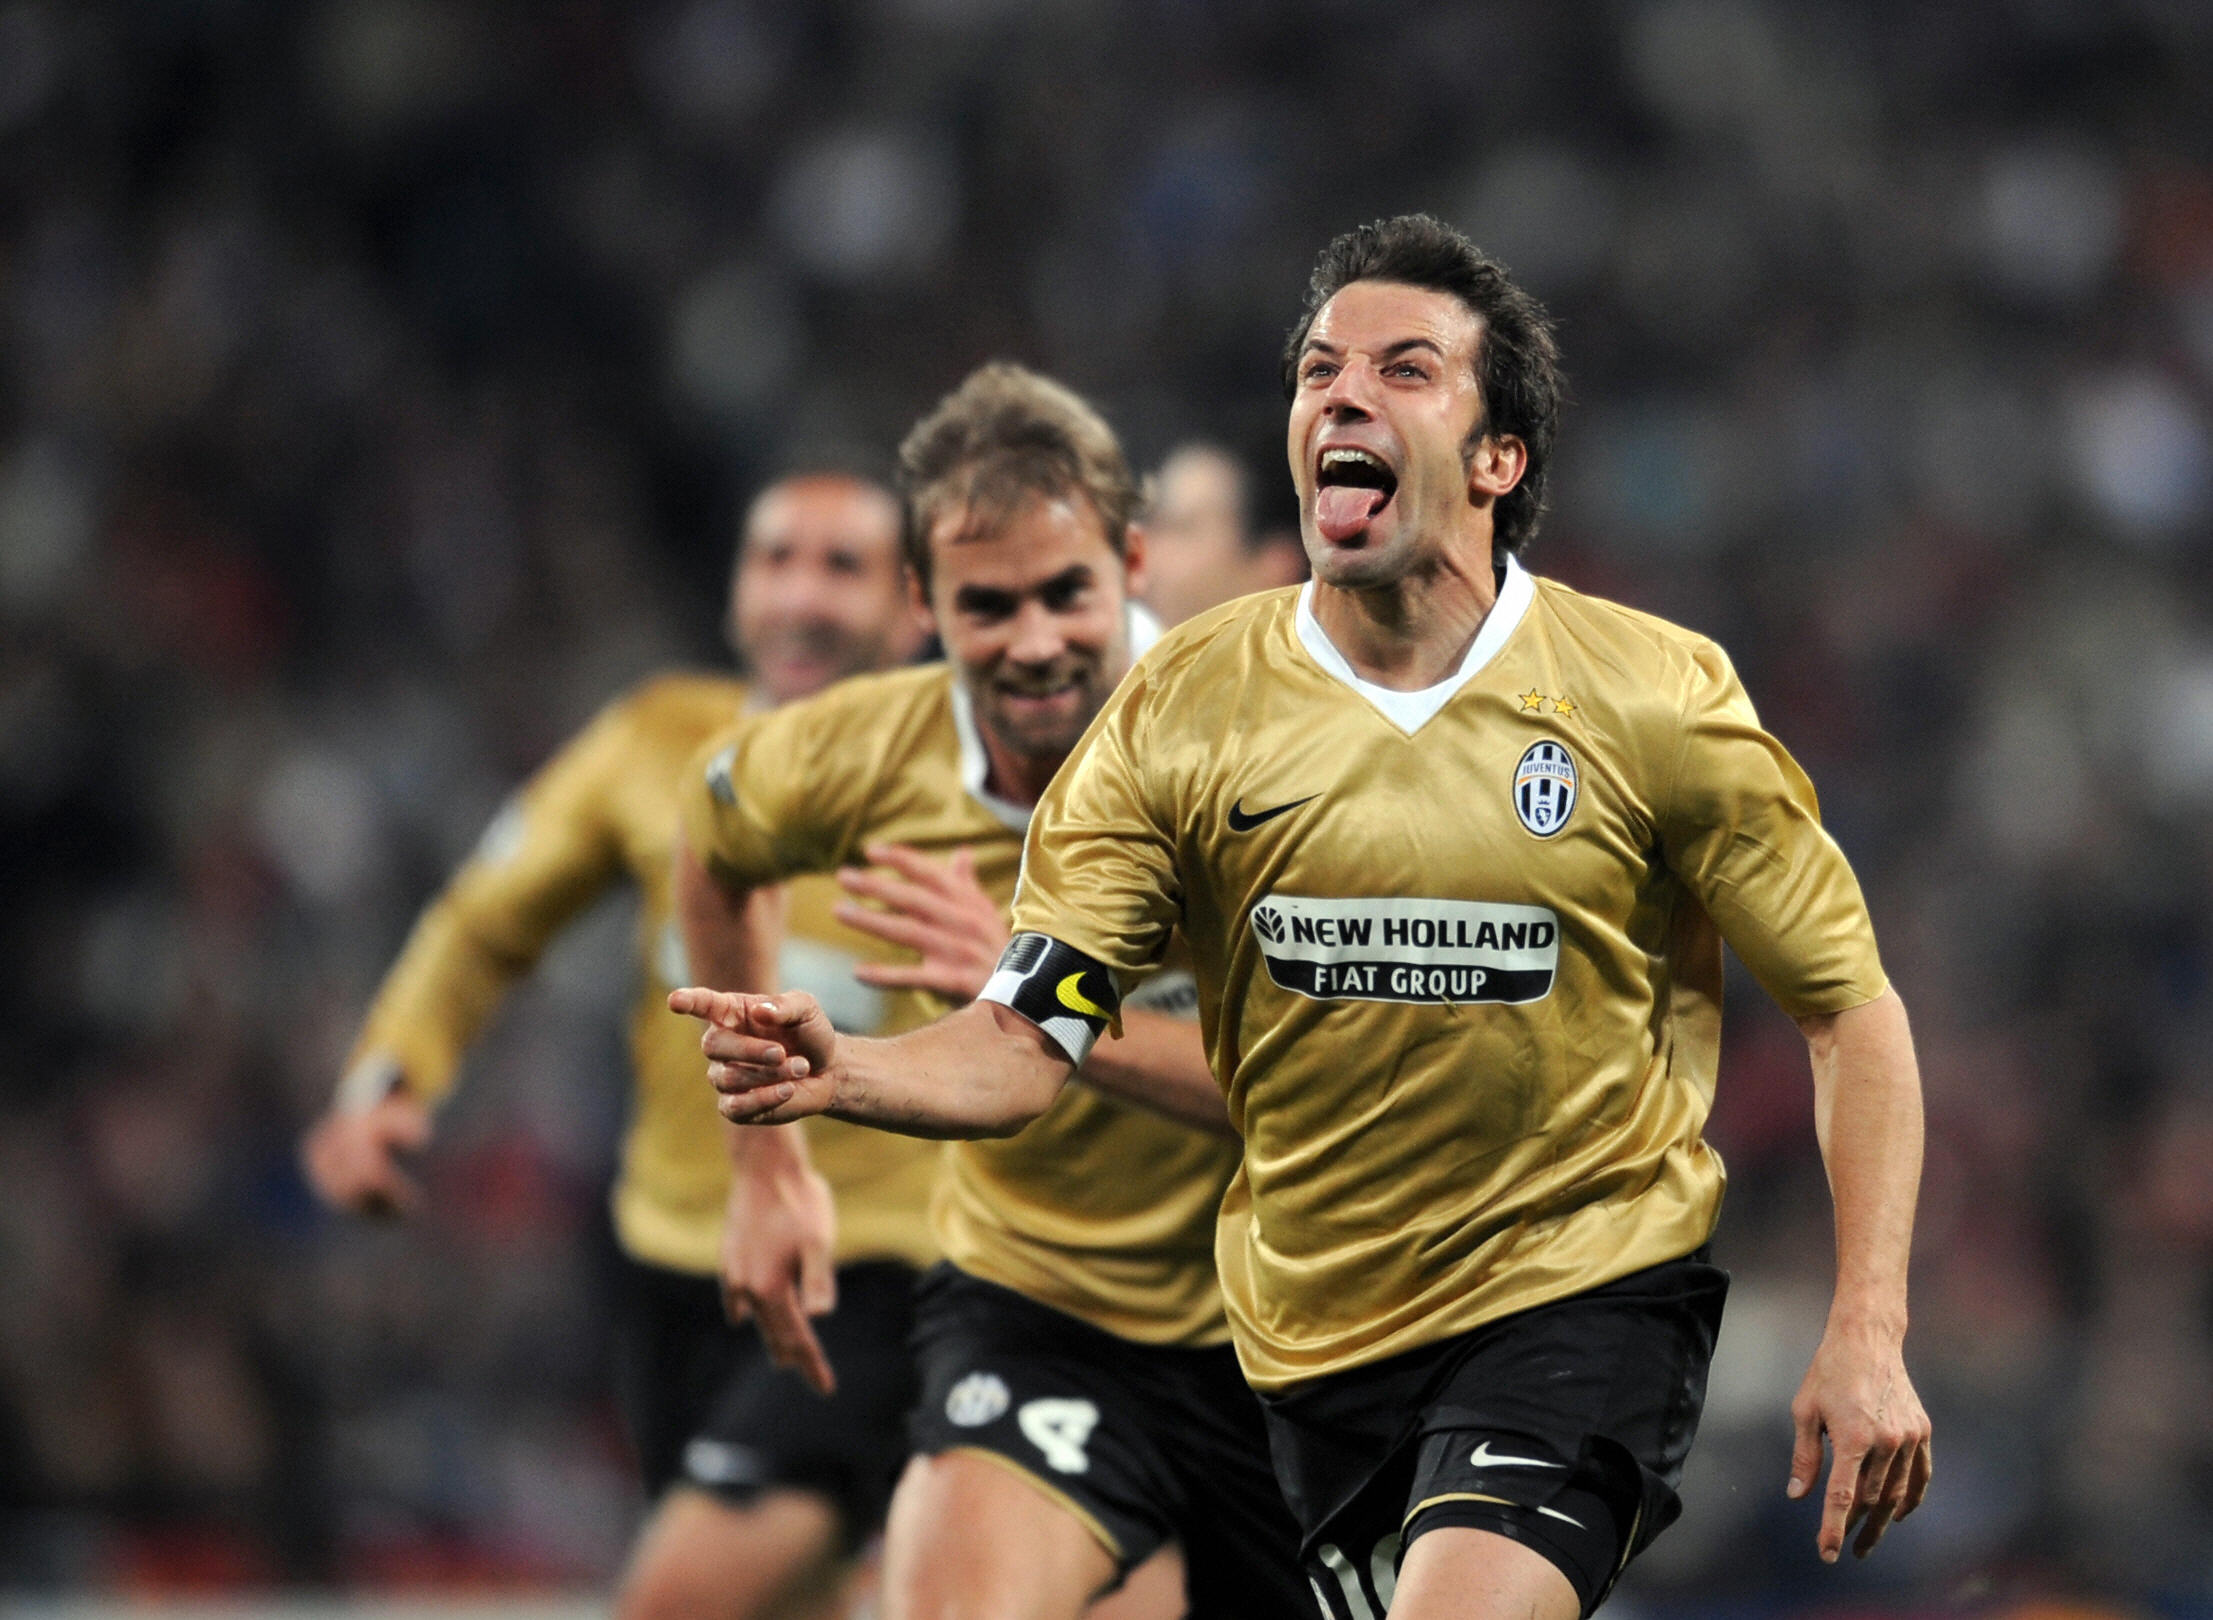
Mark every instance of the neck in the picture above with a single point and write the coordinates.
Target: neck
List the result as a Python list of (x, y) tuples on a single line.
[(1015, 777), (1411, 632)]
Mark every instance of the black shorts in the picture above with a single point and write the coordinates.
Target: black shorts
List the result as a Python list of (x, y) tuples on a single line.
[(1144, 1443), (708, 1409), (1563, 1427)]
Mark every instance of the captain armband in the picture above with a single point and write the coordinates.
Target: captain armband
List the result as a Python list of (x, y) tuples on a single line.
[(1059, 989)]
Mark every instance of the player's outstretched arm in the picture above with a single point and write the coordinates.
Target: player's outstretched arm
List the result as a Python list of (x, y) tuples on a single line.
[(983, 1070), (1867, 1110), (1159, 1062), (938, 910)]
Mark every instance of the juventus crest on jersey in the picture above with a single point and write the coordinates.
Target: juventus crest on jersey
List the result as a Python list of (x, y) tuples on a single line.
[(1484, 920)]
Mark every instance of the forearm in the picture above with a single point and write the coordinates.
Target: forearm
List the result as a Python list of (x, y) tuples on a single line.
[(983, 1070), (1159, 1063), (435, 1000), (1867, 1112), (731, 934)]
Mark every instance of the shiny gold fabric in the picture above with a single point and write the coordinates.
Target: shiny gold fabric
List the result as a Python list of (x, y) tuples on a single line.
[(601, 810), (1523, 1121), (1098, 1209)]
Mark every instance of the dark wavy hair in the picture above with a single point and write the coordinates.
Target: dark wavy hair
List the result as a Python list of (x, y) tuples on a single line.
[(1517, 362)]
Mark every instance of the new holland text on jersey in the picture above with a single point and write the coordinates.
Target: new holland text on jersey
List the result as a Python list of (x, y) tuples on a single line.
[(1407, 949)]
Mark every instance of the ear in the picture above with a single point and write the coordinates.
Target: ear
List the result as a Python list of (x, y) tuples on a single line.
[(1133, 561), (918, 603), (1497, 465)]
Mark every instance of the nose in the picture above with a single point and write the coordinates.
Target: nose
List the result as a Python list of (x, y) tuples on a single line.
[(1351, 392), (807, 593), (1038, 636)]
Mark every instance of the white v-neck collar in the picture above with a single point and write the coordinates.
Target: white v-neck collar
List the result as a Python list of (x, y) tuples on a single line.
[(1410, 711), (976, 764), (1144, 630)]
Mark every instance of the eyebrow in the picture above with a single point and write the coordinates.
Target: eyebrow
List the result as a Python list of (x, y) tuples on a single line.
[(991, 596), (1330, 351)]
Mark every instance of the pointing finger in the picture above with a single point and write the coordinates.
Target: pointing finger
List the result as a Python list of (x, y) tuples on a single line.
[(1838, 1506), (791, 1338)]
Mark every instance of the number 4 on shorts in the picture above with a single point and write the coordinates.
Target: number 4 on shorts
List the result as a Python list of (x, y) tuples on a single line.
[(1059, 1428)]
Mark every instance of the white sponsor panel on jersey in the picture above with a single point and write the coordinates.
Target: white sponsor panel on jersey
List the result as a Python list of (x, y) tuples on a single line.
[(1407, 949)]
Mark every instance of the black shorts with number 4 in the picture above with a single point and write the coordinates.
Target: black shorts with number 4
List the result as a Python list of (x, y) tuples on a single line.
[(1144, 1443), (1563, 1427)]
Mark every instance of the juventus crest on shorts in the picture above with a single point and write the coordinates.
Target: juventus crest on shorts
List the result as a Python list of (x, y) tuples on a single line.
[(1458, 950)]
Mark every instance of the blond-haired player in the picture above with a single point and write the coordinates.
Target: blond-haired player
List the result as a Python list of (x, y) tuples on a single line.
[(1081, 1405)]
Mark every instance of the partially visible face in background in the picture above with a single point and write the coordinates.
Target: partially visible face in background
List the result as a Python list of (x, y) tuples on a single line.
[(820, 590)]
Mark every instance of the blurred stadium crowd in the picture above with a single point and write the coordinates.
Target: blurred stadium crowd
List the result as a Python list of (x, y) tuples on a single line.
[(378, 380)]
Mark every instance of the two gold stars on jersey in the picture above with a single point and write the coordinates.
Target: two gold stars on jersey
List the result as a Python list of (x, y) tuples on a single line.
[(1536, 702)]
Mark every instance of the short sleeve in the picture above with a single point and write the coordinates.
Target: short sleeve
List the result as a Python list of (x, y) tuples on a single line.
[(1742, 831), (1099, 868), (764, 800)]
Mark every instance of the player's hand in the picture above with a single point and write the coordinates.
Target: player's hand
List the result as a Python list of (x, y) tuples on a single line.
[(778, 1235), (352, 1156), (769, 1056), (1858, 1395), (933, 907)]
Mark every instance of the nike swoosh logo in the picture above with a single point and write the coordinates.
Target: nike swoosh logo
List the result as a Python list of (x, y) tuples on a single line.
[(1484, 1457), (1242, 821), (1076, 1001)]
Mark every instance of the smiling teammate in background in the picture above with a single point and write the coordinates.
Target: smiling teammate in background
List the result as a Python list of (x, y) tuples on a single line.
[(1081, 1406), (757, 1485), (1455, 851)]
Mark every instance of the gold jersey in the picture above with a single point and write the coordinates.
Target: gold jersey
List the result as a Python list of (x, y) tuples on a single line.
[(603, 809), (1099, 1209), (1458, 951)]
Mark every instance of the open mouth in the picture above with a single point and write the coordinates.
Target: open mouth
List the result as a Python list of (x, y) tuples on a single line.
[(1350, 488)]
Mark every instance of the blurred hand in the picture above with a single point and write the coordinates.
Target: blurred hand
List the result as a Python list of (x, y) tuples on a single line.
[(934, 907), (1858, 1395), (769, 1056), (778, 1234), (352, 1156)]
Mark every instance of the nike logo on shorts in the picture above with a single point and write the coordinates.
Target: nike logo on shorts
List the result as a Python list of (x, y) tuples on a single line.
[(1242, 820), (1484, 1457)]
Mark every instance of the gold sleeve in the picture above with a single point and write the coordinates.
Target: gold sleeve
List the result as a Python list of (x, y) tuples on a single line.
[(754, 801), (1742, 829), (545, 857), (1099, 868)]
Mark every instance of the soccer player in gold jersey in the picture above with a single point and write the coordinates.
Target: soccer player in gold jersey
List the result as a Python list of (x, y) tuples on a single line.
[(1081, 1405), (757, 1485), (1456, 851)]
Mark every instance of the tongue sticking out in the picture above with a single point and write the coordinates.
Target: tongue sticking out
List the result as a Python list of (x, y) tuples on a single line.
[(1343, 510)]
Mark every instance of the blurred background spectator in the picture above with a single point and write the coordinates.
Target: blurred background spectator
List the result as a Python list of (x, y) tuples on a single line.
[(378, 380), (1205, 539)]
